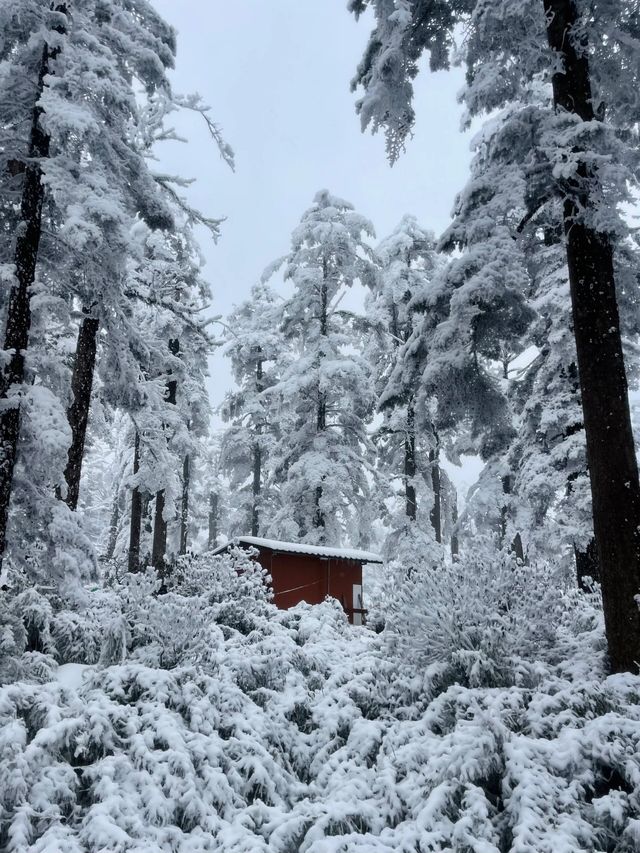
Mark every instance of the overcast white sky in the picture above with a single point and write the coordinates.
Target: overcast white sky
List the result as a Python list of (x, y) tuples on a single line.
[(276, 74)]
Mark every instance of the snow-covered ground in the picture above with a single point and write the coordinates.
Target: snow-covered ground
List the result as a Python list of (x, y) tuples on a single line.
[(293, 731)]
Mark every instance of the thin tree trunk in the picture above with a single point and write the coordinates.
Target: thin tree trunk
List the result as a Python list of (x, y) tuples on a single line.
[(214, 502), (436, 511), (257, 481), (455, 543), (610, 445), (411, 504), (257, 458), (159, 546), (78, 412), (321, 414), (184, 509), (19, 308), (136, 513)]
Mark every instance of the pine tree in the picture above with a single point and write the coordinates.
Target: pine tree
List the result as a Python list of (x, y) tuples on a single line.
[(256, 349), (326, 391), (406, 440), (581, 154), (28, 227)]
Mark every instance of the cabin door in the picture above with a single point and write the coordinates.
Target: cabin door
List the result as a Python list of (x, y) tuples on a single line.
[(357, 603)]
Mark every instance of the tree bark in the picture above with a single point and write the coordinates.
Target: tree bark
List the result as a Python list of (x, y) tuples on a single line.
[(321, 413), (256, 489), (518, 548), (78, 412), (19, 308), (455, 543), (257, 458), (184, 509), (136, 513), (411, 504), (159, 546), (214, 502), (610, 445), (436, 511)]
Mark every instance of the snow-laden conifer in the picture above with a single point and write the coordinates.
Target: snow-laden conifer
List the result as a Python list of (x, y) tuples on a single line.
[(257, 350), (326, 390), (565, 72)]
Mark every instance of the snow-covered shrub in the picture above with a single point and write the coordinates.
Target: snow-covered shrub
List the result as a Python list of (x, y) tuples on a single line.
[(304, 734), (487, 619), (167, 630)]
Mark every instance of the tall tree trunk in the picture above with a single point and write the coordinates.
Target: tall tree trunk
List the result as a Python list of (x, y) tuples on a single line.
[(436, 511), (257, 483), (257, 458), (610, 445), (184, 509), (78, 412), (135, 528), (27, 246), (159, 545), (411, 504), (455, 542), (214, 502), (321, 414)]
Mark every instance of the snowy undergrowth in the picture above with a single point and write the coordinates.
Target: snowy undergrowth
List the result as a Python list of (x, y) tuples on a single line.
[(249, 729)]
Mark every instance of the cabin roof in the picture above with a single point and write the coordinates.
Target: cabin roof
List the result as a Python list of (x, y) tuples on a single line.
[(299, 548)]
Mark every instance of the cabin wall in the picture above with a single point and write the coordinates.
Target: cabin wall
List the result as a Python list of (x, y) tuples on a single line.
[(304, 577)]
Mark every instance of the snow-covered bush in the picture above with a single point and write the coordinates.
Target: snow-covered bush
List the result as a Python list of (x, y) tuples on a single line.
[(488, 619), (303, 736), (294, 731)]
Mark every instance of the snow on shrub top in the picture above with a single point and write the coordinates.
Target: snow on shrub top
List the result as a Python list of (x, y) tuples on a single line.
[(253, 729)]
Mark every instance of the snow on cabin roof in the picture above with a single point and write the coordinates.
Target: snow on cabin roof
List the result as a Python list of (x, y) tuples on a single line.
[(299, 548)]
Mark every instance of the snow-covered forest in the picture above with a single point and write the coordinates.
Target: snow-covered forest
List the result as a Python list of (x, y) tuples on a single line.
[(165, 683)]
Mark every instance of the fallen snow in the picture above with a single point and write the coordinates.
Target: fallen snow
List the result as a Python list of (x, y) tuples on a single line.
[(71, 675), (299, 548)]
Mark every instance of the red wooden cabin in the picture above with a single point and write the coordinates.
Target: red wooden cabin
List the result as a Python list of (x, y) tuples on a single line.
[(310, 573)]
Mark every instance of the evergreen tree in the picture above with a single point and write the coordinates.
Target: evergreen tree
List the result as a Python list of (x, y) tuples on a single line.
[(256, 349), (407, 441), (326, 392), (81, 169), (583, 154)]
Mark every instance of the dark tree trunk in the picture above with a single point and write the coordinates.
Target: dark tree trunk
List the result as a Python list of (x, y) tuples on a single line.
[(136, 513), (78, 412), (587, 564), (27, 246), (257, 459), (518, 548), (159, 542), (213, 520), (610, 445), (411, 504), (184, 509), (504, 510), (436, 511), (257, 481), (321, 414), (159, 545), (455, 543)]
